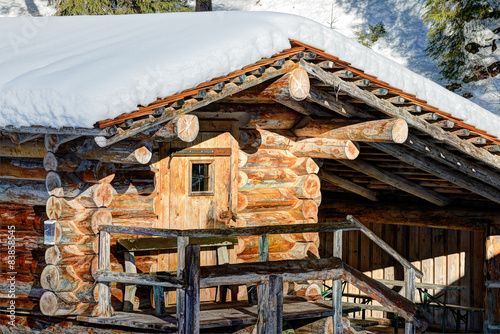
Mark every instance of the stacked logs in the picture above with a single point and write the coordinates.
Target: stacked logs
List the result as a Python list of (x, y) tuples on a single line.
[(112, 194), (80, 178), (21, 227), (276, 187), (92, 186), (73, 260)]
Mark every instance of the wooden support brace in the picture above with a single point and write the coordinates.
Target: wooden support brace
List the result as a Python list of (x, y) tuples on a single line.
[(410, 295), (222, 258), (275, 298), (192, 302), (128, 299), (159, 296), (337, 286), (182, 243), (264, 247), (104, 308), (263, 288), (263, 325)]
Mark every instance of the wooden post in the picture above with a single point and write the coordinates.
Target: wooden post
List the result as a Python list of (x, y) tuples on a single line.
[(263, 257), (159, 296), (192, 311), (130, 289), (275, 308), (222, 258), (492, 267), (337, 286), (104, 306), (264, 247), (410, 295), (263, 309), (182, 243)]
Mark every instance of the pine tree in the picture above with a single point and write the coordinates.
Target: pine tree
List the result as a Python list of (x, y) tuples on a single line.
[(367, 34), (109, 7), (461, 34)]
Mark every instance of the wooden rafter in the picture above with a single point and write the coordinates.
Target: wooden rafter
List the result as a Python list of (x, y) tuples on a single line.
[(396, 181), (334, 104), (452, 160), (431, 167), (348, 185), (393, 111)]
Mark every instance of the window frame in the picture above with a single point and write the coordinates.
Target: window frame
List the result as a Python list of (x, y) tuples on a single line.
[(211, 173)]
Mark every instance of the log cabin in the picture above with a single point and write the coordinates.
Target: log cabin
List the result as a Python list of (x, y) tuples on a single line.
[(258, 158)]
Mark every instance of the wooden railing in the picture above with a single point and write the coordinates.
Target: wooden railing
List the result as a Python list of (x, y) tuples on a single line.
[(268, 275), (411, 272)]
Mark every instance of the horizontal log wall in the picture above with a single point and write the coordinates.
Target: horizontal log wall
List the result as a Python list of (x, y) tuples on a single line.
[(448, 257)]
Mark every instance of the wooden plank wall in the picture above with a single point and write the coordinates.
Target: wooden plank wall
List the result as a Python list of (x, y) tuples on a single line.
[(445, 256)]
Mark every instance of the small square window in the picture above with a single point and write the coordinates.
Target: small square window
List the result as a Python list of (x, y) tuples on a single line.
[(201, 178)]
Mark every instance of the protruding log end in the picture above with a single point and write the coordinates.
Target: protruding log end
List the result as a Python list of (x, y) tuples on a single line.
[(351, 150), (298, 84), (144, 153), (187, 127), (52, 305), (312, 186), (242, 158), (400, 131), (242, 202), (53, 208), (242, 179), (53, 255), (305, 166), (305, 210), (100, 217), (62, 185), (50, 273), (53, 182), (100, 141), (48, 303), (50, 162), (309, 186), (52, 143), (103, 195)]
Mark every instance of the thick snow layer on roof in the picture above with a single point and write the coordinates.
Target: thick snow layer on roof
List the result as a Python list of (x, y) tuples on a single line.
[(74, 71)]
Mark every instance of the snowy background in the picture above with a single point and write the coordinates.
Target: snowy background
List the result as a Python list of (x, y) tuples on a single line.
[(404, 42)]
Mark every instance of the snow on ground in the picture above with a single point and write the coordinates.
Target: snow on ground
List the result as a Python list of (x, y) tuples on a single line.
[(74, 71), (16, 8)]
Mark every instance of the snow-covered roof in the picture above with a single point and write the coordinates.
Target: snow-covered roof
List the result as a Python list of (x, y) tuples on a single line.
[(75, 71)]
